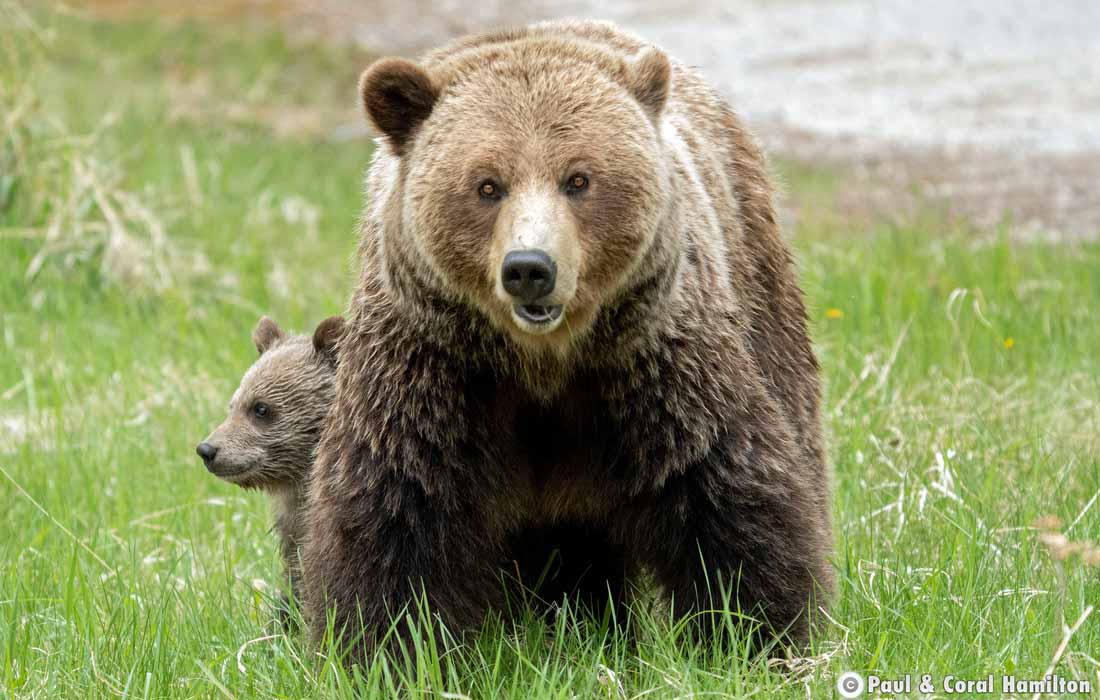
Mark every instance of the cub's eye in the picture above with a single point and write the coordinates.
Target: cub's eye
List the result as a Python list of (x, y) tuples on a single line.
[(489, 190), (261, 410), (576, 183)]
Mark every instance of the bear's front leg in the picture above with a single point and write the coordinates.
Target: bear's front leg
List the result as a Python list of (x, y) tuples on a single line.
[(402, 500), (376, 552), (742, 530)]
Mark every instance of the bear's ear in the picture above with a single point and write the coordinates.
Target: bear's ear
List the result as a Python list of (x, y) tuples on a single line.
[(398, 95), (649, 77), (266, 334), (327, 334)]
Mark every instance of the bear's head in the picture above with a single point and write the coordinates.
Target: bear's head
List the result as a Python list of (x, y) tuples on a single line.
[(276, 414), (529, 177)]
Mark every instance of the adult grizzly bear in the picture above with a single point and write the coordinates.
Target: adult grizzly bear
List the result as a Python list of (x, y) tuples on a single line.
[(577, 328)]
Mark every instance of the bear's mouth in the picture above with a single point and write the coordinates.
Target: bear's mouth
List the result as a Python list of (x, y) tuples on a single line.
[(538, 314)]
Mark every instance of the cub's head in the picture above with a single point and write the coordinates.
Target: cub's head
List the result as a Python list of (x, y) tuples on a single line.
[(276, 414), (532, 177)]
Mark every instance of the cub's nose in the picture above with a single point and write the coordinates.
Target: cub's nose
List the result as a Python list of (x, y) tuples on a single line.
[(528, 275), (207, 451)]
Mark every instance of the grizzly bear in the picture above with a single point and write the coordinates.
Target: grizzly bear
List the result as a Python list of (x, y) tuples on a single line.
[(270, 438), (577, 331)]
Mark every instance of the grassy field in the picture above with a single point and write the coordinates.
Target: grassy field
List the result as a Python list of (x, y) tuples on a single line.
[(163, 183)]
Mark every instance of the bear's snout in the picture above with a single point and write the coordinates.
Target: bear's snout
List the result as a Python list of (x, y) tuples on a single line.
[(528, 275), (208, 453)]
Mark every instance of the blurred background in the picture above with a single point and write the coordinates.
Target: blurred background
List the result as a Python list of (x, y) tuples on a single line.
[(991, 107)]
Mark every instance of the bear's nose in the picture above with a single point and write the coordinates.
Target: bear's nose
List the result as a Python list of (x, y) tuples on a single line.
[(528, 275), (207, 451)]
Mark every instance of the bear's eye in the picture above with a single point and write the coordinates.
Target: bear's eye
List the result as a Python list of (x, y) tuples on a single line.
[(489, 190), (576, 183), (261, 410)]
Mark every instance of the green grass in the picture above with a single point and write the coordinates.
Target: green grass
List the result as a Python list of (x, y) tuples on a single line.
[(164, 183)]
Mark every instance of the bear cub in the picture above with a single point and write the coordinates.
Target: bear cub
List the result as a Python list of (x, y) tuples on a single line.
[(269, 439)]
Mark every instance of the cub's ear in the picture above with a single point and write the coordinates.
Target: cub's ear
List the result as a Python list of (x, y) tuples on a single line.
[(648, 80), (398, 95), (266, 334), (326, 336)]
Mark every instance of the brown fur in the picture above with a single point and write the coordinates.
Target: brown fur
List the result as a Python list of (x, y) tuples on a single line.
[(294, 376), (670, 422)]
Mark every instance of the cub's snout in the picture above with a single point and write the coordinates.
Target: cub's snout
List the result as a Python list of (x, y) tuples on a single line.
[(208, 453)]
